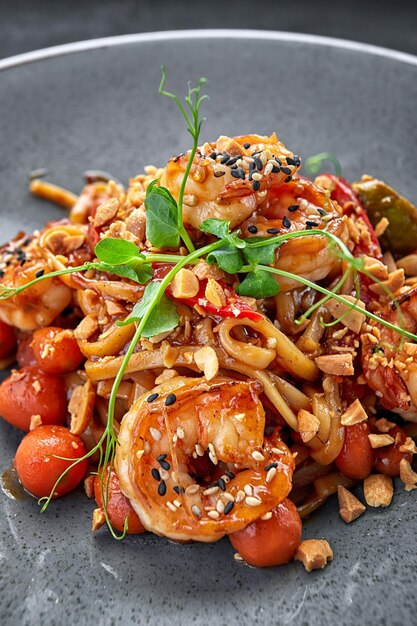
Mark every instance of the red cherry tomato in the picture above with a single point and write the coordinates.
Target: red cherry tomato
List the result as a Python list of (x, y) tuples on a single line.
[(37, 467), (7, 340), (29, 392), (24, 355), (356, 458), (388, 458), (118, 506), (270, 542), (56, 350)]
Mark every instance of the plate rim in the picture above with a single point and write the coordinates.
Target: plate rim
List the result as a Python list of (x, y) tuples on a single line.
[(217, 33)]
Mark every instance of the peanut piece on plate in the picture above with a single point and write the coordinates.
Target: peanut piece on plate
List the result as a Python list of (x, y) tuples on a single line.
[(314, 554), (378, 490), (350, 508), (407, 475)]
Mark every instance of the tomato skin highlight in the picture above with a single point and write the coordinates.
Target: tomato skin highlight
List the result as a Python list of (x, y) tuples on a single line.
[(7, 340), (118, 506), (388, 458), (356, 458), (56, 350), (36, 466), (265, 543), (29, 392)]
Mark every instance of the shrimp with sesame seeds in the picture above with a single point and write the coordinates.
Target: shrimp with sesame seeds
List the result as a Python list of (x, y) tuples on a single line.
[(188, 423), (229, 177)]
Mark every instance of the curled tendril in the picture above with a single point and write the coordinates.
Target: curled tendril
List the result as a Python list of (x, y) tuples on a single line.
[(314, 165)]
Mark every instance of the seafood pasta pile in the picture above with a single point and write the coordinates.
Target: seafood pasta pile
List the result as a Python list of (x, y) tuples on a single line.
[(217, 348)]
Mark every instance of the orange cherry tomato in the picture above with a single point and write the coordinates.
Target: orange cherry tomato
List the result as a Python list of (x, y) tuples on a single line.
[(37, 467), (388, 458), (7, 340), (270, 542), (29, 392), (356, 458), (24, 355), (56, 350), (118, 506)]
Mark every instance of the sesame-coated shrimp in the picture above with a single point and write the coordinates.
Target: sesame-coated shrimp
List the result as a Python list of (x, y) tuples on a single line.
[(229, 178), (164, 436)]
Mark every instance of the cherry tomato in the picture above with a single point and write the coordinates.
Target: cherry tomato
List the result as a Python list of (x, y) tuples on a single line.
[(357, 456), (24, 355), (56, 350), (118, 506), (388, 458), (7, 340), (270, 542), (29, 392), (37, 467)]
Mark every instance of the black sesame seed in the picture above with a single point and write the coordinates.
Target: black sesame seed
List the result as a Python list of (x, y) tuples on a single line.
[(270, 466), (252, 229), (255, 153), (293, 208), (288, 178), (152, 397), (273, 231), (221, 484), (162, 488), (161, 457), (256, 185), (252, 166), (278, 161), (286, 222), (165, 465), (275, 169), (233, 167), (213, 156), (285, 170), (212, 485), (219, 173), (246, 145), (230, 475), (178, 490), (229, 506), (290, 161), (241, 172), (27, 241), (39, 273), (225, 158), (297, 160), (258, 163), (322, 212), (170, 399), (155, 474), (232, 160), (1, 273), (235, 173), (311, 224), (22, 262)]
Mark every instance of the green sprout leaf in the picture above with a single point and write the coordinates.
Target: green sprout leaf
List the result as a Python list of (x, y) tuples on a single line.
[(228, 258), (162, 218), (163, 317), (262, 255), (117, 251), (315, 164), (221, 230), (138, 272), (258, 284)]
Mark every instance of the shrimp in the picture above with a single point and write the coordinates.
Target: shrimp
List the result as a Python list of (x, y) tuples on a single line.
[(229, 178), (164, 435), (295, 206), (21, 261), (390, 366)]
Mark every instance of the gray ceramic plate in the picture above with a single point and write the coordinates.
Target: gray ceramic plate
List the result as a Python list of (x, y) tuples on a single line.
[(95, 104)]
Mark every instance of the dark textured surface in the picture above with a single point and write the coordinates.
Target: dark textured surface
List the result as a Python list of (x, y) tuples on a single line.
[(100, 109), (28, 25)]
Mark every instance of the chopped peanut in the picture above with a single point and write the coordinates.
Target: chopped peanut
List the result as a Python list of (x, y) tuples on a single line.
[(81, 407), (379, 441), (377, 268), (381, 227), (353, 319), (407, 475), (167, 374), (89, 486), (106, 212), (114, 308), (185, 284), (408, 264), (204, 271), (229, 145), (207, 362), (308, 425), (214, 293), (384, 425), (378, 490), (86, 328), (350, 508), (410, 348), (314, 554), (408, 446), (394, 282), (35, 422), (336, 364), (354, 414), (98, 519)]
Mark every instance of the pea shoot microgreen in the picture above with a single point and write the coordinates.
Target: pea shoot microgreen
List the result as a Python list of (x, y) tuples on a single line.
[(314, 165), (155, 313)]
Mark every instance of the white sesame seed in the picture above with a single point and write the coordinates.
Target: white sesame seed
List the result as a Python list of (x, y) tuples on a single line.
[(268, 169), (177, 503), (253, 501), (211, 491), (212, 454), (174, 438), (171, 507), (248, 490), (238, 557), (220, 507), (256, 176), (258, 456), (227, 496), (276, 451), (163, 473), (240, 417), (180, 433), (199, 449), (194, 455), (213, 514), (155, 433), (240, 496), (267, 516), (146, 447), (192, 489), (139, 454), (196, 510), (271, 474)]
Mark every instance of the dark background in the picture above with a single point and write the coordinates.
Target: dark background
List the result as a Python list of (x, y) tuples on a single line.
[(30, 24)]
